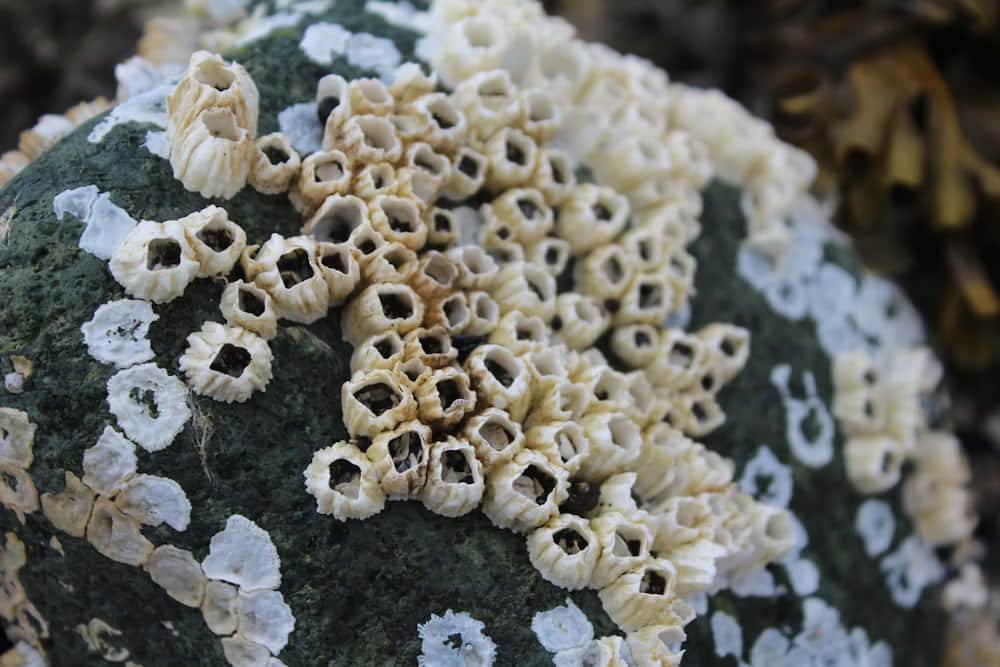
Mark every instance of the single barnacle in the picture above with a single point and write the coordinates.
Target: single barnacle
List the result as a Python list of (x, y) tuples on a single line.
[(444, 397), (565, 551), (391, 262), (454, 478), (614, 444), (338, 220), (636, 344), (339, 267), (476, 269), (381, 308), (442, 228), (489, 100), (624, 544), (652, 644), (521, 333), (468, 174), (484, 314), (400, 457), (109, 463), (643, 596), (562, 442), (525, 211), (288, 270), (248, 306), (591, 216), (648, 299), (874, 462), (433, 167), (541, 116), (646, 247), (729, 347), (436, 276), (216, 241), (117, 536), (554, 176), (495, 436), (679, 269), (344, 482), (551, 253), (226, 363), (679, 359), (579, 320), (512, 156), (210, 82), (557, 400), (476, 43), (605, 273), (450, 313), (524, 493), (370, 96), (381, 350), (130, 392), (69, 509), (410, 83), (212, 154), (178, 573), (447, 128), (374, 401), (155, 262), (368, 138), (333, 106), (322, 175), (501, 379), (700, 411), (17, 491), (399, 220), (526, 288), (432, 345), (275, 164), (373, 180)]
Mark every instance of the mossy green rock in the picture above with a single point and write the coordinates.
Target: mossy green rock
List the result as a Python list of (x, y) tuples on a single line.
[(358, 589)]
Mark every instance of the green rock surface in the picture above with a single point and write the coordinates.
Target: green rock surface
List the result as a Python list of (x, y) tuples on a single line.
[(357, 589)]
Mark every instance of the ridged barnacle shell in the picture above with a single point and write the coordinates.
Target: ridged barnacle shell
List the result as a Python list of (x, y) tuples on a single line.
[(562, 442), (369, 138), (605, 272), (476, 268), (524, 493), (323, 174), (444, 397), (648, 299), (624, 545), (683, 519), (399, 219), (248, 306), (217, 241), (373, 180), (370, 96), (454, 478), (432, 345), (468, 174), (520, 333), (226, 363), (565, 551), (591, 216), (614, 444), (212, 154), (389, 263), (643, 596), (446, 131), (410, 83), (646, 247), (651, 645), (489, 100), (551, 253), (376, 400), (381, 350), (874, 462), (288, 270), (344, 482), (275, 164), (494, 435), (381, 308), (635, 344), (400, 457), (442, 228), (436, 276), (557, 402), (541, 116), (451, 313), (155, 261), (501, 379), (338, 219), (333, 106), (527, 288), (701, 413), (679, 359), (579, 320), (339, 267), (525, 211), (484, 314), (435, 168), (512, 157), (210, 82)]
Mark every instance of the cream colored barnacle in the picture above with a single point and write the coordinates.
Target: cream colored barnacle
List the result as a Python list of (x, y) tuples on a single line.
[(217, 241), (288, 270), (375, 401), (643, 596), (565, 551), (275, 164), (400, 457), (212, 154), (344, 482), (454, 478), (226, 363), (155, 262), (248, 306), (495, 436), (322, 174), (210, 82), (524, 493)]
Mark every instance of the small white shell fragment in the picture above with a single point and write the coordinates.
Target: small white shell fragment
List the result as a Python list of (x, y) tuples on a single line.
[(76, 202), (127, 392), (116, 536), (220, 606), (17, 437), (153, 500), (242, 652), (108, 225), (155, 261), (226, 363), (264, 618), (116, 334), (562, 628), (14, 383), (243, 554), (437, 649), (69, 509), (178, 573), (110, 463)]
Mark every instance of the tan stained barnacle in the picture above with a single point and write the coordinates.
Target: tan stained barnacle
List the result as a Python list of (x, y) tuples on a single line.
[(370, 96), (494, 435), (444, 397), (432, 345), (226, 363), (679, 359), (562, 442), (17, 490), (109, 463), (117, 536), (248, 306), (219, 607), (389, 263), (382, 350), (565, 551), (454, 478), (591, 216), (333, 106), (651, 645), (557, 400), (512, 156), (178, 573), (579, 320), (400, 458), (381, 308), (338, 264), (605, 272), (344, 482), (217, 241), (624, 544), (376, 400), (436, 276), (411, 124), (614, 444), (446, 131), (526, 492), (210, 82), (527, 288), (643, 596), (398, 219), (212, 154), (450, 313), (435, 168), (69, 509), (155, 261), (468, 174), (501, 379), (275, 164), (375, 179), (17, 438), (477, 270), (484, 314), (289, 271), (368, 138), (442, 228), (323, 174), (635, 344)]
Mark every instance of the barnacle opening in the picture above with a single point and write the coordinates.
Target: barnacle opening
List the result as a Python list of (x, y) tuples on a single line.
[(163, 254), (535, 484), (338, 220), (250, 302), (570, 541), (378, 398), (332, 169), (402, 215), (221, 124), (214, 74), (396, 305), (388, 345), (378, 133), (440, 270), (450, 392), (653, 583), (345, 478), (456, 467), (216, 235), (231, 360), (495, 434), (407, 451), (443, 113), (629, 543), (325, 107), (471, 164), (294, 267), (337, 259), (276, 155), (500, 363), (455, 310)]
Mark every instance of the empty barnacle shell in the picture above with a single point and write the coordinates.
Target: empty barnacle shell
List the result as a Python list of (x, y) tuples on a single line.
[(700, 411), (411, 124), (436, 276), (512, 157), (210, 82), (447, 128), (226, 363), (521, 333), (381, 350), (338, 219), (484, 314), (553, 176), (489, 100), (476, 269), (149, 404), (605, 273), (248, 306), (444, 397), (410, 83), (591, 216), (623, 544), (322, 175), (155, 261), (680, 357), (381, 308), (468, 174), (525, 211), (541, 115), (391, 262), (501, 379), (212, 154), (615, 443), (562, 442), (681, 520), (651, 645), (557, 400), (454, 478), (217, 241), (344, 482), (636, 344), (69, 509), (370, 96), (373, 180), (643, 596), (376, 400), (450, 313), (874, 462), (178, 573), (400, 457), (494, 435), (648, 299), (526, 288), (442, 228), (436, 167), (579, 320), (288, 270), (409, 371), (399, 219), (339, 267), (551, 253), (524, 493), (645, 247), (432, 345), (117, 536), (275, 164), (368, 138), (333, 106), (565, 551)]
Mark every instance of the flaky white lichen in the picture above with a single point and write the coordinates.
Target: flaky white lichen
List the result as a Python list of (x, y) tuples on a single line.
[(116, 334), (150, 404)]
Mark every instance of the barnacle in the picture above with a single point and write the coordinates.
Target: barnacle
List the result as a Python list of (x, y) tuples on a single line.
[(454, 478), (344, 482), (216, 241), (69, 509), (212, 154), (565, 551), (275, 164), (248, 306), (526, 492), (156, 261), (226, 363), (288, 270)]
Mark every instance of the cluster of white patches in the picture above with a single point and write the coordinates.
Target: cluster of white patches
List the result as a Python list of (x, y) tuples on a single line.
[(322, 42), (107, 224), (454, 640)]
